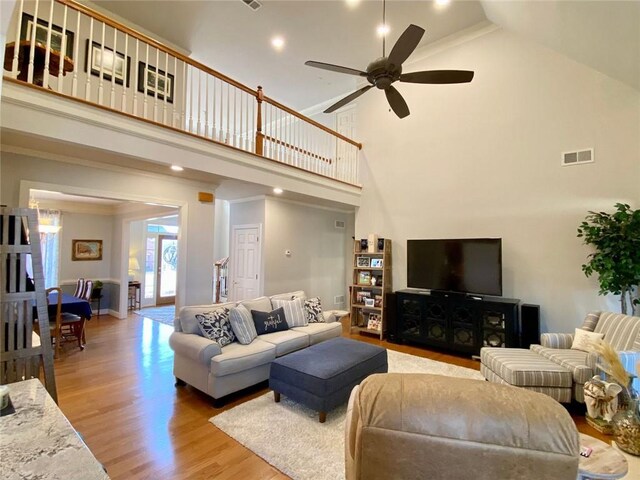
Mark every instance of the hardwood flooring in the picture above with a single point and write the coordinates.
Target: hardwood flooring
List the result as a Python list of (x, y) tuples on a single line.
[(119, 394)]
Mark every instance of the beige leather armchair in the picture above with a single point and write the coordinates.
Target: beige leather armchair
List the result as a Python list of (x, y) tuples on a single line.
[(417, 426)]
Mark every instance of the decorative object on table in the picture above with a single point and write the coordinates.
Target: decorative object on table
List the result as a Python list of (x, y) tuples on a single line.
[(102, 59), (626, 422), (601, 399), (364, 278), (155, 82), (616, 260), (42, 28), (376, 263), (363, 262), (86, 250), (372, 243)]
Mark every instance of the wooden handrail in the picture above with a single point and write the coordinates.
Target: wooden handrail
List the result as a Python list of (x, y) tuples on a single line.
[(312, 122), (297, 149)]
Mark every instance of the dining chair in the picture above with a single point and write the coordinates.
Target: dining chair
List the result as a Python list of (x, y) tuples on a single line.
[(55, 323), (72, 326), (80, 288)]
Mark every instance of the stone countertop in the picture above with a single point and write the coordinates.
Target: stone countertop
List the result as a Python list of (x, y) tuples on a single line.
[(37, 441)]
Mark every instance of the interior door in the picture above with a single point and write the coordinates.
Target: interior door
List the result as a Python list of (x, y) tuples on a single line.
[(167, 267), (245, 262)]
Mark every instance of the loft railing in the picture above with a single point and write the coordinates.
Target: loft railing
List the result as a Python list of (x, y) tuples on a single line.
[(67, 48)]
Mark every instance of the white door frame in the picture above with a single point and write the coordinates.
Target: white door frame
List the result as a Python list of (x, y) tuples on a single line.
[(232, 255)]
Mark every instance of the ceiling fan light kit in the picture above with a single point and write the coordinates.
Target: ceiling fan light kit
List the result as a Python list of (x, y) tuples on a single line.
[(384, 71)]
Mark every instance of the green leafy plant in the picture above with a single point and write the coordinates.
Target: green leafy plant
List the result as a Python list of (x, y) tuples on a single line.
[(616, 260)]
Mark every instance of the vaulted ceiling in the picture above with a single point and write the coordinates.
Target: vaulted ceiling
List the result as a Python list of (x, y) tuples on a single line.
[(230, 37)]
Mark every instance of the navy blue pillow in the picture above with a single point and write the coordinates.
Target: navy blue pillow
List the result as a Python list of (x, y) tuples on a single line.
[(269, 322)]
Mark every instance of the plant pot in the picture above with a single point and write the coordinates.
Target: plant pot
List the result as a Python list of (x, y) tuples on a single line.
[(626, 428), (96, 293)]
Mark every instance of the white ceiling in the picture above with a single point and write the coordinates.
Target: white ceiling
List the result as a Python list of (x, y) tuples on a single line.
[(228, 36)]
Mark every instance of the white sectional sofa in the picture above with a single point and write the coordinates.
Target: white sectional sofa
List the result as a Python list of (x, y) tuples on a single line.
[(219, 371)]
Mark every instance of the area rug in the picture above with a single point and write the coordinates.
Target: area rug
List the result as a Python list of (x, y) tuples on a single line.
[(289, 436), (164, 314)]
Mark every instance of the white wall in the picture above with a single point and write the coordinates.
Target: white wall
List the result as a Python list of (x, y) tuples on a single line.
[(221, 230), (317, 263), (196, 218), (84, 226), (483, 160)]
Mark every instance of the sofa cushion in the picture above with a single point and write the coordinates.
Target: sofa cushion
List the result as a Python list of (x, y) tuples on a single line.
[(261, 304), (242, 324), (269, 322), (238, 358), (313, 310), (319, 332), (573, 360), (188, 320), (290, 296), (287, 341), (585, 341), (293, 311), (621, 331), (525, 368), (215, 326)]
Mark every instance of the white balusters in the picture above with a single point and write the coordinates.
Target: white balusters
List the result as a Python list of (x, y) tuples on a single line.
[(47, 47), (169, 87), (126, 73), (63, 49), (16, 44), (32, 50), (112, 97), (74, 82), (157, 83), (136, 81), (101, 66), (87, 92)]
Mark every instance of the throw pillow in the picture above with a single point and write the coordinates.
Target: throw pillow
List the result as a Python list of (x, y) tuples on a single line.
[(590, 321), (293, 311), (269, 322), (242, 324), (215, 326), (313, 310), (585, 341)]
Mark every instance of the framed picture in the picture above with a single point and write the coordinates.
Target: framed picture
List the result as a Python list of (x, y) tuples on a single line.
[(364, 278), (108, 62), (376, 263), (374, 322), (361, 296), (26, 29), (156, 81), (377, 301), (86, 249), (369, 302), (363, 262)]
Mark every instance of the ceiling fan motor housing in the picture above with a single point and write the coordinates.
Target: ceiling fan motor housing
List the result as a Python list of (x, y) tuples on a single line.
[(382, 74)]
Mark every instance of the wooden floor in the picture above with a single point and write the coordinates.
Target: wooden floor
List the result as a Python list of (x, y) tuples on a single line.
[(119, 394)]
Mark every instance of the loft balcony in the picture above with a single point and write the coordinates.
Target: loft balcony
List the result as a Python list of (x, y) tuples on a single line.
[(76, 65)]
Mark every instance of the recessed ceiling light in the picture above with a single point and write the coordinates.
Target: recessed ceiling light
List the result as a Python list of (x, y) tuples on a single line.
[(277, 190), (442, 3), (382, 30), (353, 3), (176, 168), (277, 42)]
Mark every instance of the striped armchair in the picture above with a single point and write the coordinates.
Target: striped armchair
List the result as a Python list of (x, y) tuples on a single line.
[(621, 331)]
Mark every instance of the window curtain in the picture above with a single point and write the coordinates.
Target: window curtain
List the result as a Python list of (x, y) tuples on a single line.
[(50, 222)]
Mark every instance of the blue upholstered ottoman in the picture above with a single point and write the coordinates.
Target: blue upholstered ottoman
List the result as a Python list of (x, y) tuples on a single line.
[(322, 376)]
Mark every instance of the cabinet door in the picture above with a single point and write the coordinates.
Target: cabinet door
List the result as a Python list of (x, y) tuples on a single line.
[(435, 322), (409, 318), (498, 323), (463, 326)]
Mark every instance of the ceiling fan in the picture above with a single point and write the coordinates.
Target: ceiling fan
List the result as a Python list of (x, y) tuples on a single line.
[(384, 71)]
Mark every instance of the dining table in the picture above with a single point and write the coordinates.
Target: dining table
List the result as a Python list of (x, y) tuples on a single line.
[(70, 304)]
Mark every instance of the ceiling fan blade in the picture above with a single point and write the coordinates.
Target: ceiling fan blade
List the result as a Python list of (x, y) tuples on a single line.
[(438, 76), (347, 99), (406, 44), (396, 102), (335, 68)]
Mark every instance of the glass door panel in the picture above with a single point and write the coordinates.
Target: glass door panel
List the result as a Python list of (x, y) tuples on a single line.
[(167, 269)]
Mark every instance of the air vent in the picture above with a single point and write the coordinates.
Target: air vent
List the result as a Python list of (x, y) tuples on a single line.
[(578, 157), (252, 4), (338, 300), (339, 224)]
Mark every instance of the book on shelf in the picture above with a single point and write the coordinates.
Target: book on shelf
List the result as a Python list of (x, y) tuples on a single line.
[(374, 321)]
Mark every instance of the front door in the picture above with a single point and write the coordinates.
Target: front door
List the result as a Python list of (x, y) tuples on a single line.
[(245, 262), (167, 265)]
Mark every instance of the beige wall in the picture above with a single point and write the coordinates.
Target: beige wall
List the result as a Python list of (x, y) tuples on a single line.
[(483, 160)]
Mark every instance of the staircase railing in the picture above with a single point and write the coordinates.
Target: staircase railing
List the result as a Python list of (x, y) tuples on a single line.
[(69, 49)]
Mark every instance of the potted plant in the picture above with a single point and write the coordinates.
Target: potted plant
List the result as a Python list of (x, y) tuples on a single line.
[(616, 260), (96, 291)]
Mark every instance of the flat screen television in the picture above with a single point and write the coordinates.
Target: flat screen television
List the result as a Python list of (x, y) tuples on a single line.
[(470, 265)]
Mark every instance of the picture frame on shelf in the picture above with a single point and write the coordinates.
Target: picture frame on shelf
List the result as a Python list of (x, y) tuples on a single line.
[(377, 262), (374, 322), (155, 82), (377, 301), (42, 27), (86, 250), (364, 278), (369, 302), (104, 59), (361, 296), (363, 262), (364, 245)]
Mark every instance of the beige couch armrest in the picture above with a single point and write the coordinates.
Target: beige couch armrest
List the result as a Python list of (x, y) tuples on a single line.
[(329, 316), (350, 431), (195, 347), (556, 340)]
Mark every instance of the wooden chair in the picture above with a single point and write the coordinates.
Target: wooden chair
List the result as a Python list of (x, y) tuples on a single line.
[(56, 322), (79, 288), (21, 355)]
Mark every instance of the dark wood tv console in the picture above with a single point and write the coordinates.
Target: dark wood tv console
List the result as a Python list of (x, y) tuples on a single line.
[(457, 322)]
